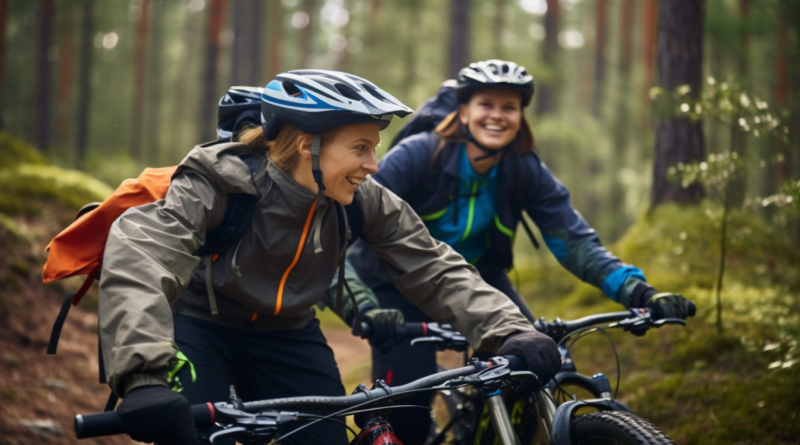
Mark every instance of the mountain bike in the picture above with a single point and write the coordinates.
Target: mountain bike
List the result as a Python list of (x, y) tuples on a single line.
[(256, 423), (549, 416)]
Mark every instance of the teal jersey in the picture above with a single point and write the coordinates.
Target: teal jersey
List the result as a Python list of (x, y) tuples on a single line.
[(464, 223)]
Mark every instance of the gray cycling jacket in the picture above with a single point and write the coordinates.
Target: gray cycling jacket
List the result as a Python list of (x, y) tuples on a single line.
[(272, 279)]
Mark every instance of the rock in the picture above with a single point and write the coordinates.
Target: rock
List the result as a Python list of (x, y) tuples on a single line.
[(41, 427), (55, 384)]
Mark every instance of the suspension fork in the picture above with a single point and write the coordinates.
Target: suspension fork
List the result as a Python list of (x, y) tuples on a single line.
[(501, 422), (545, 412)]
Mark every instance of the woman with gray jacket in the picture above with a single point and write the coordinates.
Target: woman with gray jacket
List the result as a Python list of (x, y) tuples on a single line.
[(173, 321)]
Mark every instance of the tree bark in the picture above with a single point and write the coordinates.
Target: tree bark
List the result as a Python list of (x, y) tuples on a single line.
[(208, 107), (246, 57), (458, 54), (276, 40), (601, 28), (139, 70), (343, 63), (411, 48), (84, 81), (154, 102), (546, 100), (373, 39), (498, 26), (66, 68), (680, 59), (649, 46), (739, 145), (622, 115), (306, 34), (3, 21), (44, 15)]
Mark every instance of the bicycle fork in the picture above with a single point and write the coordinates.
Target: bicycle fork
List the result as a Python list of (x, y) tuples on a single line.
[(501, 422)]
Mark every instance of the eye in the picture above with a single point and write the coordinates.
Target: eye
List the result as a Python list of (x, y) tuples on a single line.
[(360, 147)]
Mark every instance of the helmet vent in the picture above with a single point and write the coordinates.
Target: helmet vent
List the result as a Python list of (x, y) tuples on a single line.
[(505, 69), (347, 91), (374, 92), (292, 90)]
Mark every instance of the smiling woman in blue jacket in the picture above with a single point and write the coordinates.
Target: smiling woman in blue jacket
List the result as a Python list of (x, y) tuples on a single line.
[(470, 180)]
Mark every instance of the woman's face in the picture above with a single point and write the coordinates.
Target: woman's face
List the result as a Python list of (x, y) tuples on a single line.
[(493, 116), (347, 159)]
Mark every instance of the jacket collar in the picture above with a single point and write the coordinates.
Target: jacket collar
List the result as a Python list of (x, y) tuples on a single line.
[(298, 197)]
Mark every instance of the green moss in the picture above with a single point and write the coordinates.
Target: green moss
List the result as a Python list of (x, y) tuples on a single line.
[(24, 185), (15, 151)]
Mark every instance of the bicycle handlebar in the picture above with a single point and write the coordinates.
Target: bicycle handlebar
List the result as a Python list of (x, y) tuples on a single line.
[(205, 415)]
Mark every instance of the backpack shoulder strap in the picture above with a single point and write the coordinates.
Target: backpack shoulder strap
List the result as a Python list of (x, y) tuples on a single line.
[(355, 219)]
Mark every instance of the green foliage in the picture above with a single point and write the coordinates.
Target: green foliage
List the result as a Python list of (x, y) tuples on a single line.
[(26, 181), (15, 151), (701, 387)]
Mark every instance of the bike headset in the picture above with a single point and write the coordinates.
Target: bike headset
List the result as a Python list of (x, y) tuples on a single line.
[(492, 73)]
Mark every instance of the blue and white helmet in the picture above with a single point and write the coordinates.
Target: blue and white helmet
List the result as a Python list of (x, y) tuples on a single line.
[(239, 106), (318, 101)]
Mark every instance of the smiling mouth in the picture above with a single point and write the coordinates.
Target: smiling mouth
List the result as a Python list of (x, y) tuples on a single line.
[(494, 127), (354, 181)]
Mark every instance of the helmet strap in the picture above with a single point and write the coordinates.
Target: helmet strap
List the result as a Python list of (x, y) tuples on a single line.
[(489, 152), (315, 169)]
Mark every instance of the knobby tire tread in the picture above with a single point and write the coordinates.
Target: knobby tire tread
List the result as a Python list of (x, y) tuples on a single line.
[(615, 427)]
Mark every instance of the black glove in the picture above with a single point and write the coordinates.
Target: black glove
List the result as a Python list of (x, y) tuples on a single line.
[(383, 323), (156, 413), (662, 305), (538, 350)]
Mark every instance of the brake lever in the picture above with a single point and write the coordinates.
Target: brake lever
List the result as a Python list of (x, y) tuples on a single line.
[(663, 321)]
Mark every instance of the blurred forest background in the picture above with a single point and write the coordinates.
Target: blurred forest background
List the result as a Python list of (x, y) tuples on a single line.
[(673, 123)]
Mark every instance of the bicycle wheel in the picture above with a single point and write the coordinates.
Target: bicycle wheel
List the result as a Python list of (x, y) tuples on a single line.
[(615, 428)]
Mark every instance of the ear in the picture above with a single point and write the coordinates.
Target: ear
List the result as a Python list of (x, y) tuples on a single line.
[(303, 144), (463, 114)]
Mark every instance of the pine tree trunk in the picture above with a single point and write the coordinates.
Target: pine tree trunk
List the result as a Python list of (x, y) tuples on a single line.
[(649, 46), (601, 25), (373, 39), (622, 115), (44, 16), (409, 79), (276, 39), (3, 21), (498, 26), (152, 122), (739, 185), (246, 57), (139, 70), (66, 68), (306, 34), (546, 97), (458, 53), (208, 106), (680, 59), (84, 81)]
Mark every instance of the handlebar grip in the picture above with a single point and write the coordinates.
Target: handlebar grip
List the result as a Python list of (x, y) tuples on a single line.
[(692, 309), (108, 423), (516, 363), (415, 330), (97, 425)]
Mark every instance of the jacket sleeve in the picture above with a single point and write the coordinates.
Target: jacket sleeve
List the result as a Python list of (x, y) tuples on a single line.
[(405, 165), (570, 238), (432, 276), (148, 262)]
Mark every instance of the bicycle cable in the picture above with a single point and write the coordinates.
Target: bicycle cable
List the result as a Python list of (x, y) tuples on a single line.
[(602, 329), (346, 411)]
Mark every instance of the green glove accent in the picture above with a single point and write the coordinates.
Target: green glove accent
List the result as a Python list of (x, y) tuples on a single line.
[(667, 305), (173, 379)]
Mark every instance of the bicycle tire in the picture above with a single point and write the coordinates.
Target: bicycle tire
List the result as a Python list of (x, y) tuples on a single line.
[(615, 428)]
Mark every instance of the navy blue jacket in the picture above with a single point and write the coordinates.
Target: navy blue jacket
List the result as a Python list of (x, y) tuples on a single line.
[(524, 184)]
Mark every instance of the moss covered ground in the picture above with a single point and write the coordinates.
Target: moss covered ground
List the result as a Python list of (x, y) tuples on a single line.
[(740, 386)]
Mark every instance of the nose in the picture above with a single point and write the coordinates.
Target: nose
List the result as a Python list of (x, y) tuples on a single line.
[(370, 165), (496, 112)]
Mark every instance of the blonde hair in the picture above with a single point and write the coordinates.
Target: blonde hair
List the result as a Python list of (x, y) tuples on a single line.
[(283, 150), (450, 130)]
